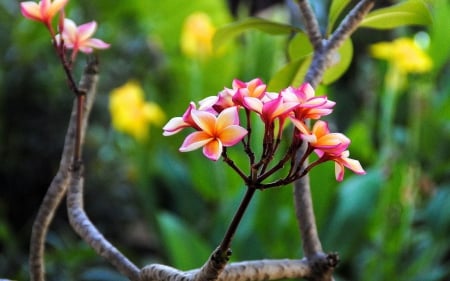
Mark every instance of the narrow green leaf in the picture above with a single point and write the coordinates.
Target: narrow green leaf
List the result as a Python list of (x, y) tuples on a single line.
[(231, 30), (335, 10), (413, 12), (186, 250), (343, 59)]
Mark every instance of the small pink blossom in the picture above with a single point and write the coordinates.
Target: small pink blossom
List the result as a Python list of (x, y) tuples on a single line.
[(176, 124), (79, 38), (321, 140), (43, 11), (247, 93), (215, 132), (311, 107), (343, 161)]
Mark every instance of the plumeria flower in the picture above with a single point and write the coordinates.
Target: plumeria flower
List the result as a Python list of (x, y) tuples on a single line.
[(218, 103), (343, 161), (248, 92), (176, 124), (311, 107), (215, 132), (79, 38), (271, 108), (43, 11), (321, 140)]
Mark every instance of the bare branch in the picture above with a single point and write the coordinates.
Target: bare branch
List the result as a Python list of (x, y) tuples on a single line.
[(305, 214), (302, 194), (323, 56), (349, 24), (86, 229), (311, 24), (59, 184), (240, 271)]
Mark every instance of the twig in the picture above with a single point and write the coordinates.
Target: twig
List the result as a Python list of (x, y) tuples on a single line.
[(86, 229), (59, 184), (312, 27)]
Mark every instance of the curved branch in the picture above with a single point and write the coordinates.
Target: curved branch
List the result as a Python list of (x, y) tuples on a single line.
[(59, 184), (86, 229)]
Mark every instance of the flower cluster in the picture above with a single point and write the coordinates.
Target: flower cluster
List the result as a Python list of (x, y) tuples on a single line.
[(71, 36), (216, 125)]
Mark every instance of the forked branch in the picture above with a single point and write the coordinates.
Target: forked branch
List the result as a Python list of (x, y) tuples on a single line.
[(60, 182)]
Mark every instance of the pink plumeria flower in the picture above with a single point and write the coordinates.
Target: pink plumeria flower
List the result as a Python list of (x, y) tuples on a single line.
[(311, 107), (176, 124), (43, 11), (79, 38), (215, 133), (248, 92), (271, 107), (343, 161), (320, 138)]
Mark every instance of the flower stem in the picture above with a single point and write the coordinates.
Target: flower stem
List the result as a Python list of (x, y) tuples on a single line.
[(228, 237)]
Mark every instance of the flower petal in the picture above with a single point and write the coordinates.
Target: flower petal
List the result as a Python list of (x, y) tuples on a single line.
[(232, 135), (55, 7), (206, 121), (31, 10), (70, 31), (227, 117), (339, 171), (174, 125), (213, 150), (195, 141), (86, 30)]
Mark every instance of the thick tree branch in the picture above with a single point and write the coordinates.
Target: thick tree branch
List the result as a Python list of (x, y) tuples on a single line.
[(86, 229), (59, 184), (302, 194), (240, 271)]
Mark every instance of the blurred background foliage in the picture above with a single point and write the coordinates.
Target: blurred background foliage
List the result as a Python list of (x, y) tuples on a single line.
[(159, 205)]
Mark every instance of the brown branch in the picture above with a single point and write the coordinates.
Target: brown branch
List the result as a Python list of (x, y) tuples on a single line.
[(86, 229), (59, 184), (240, 271), (323, 56), (304, 210), (312, 27)]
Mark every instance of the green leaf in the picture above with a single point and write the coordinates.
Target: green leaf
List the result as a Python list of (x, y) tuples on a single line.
[(300, 52), (299, 47), (343, 59), (231, 30), (335, 10), (292, 74), (413, 12), (186, 250)]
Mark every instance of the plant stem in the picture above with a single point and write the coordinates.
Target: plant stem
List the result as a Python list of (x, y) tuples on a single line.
[(228, 237)]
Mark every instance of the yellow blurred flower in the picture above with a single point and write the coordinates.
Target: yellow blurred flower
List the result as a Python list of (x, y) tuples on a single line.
[(130, 113), (197, 35), (404, 54)]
